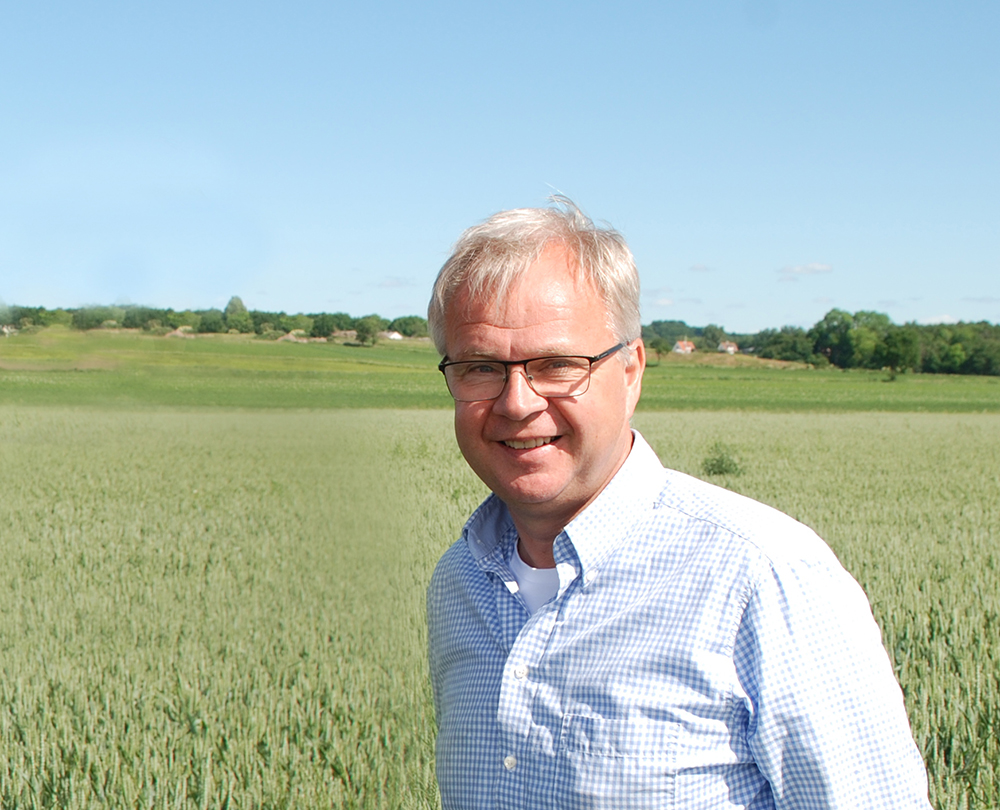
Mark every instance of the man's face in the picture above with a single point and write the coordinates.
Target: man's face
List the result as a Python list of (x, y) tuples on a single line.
[(582, 441)]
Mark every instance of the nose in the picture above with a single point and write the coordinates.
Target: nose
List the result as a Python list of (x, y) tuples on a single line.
[(518, 399)]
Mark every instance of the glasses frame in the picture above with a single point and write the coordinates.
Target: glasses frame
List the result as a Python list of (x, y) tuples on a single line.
[(444, 364)]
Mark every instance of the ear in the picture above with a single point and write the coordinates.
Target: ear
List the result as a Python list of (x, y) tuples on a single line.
[(633, 374)]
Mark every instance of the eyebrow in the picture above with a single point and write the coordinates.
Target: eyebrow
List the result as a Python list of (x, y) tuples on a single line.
[(543, 352)]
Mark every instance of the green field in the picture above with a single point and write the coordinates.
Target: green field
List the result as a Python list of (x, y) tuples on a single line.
[(124, 369), (223, 606)]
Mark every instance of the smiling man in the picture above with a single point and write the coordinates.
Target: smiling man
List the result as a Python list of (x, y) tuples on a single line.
[(608, 633)]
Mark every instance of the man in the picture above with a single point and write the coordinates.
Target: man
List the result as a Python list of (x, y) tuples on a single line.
[(608, 633)]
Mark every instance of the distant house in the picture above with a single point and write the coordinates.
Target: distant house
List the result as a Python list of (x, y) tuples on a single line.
[(683, 347), (728, 347), (391, 335)]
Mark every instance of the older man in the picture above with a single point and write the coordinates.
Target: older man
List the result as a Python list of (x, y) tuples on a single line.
[(608, 633)]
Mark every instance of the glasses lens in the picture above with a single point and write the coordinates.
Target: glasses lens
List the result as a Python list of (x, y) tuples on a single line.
[(559, 376), (472, 382)]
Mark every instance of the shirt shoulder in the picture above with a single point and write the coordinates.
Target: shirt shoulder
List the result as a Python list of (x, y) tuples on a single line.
[(760, 529)]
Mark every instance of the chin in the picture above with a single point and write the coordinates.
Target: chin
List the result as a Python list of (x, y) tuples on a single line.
[(529, 492)]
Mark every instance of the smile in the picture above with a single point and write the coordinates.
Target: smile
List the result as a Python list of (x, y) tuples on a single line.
[(528, 444)]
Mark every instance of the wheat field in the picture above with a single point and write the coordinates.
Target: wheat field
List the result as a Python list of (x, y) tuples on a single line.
[(224, 608)]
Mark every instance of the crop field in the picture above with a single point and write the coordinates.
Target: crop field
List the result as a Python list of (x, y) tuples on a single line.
[(123, 369), (208, 605)]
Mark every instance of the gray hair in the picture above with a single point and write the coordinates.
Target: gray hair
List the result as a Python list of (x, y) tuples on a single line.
[(490, 257)]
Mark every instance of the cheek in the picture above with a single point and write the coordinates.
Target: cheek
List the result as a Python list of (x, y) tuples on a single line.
[(469, 421)]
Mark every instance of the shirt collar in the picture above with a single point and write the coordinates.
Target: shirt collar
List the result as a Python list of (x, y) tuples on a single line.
[(595, 532), (600, 528)]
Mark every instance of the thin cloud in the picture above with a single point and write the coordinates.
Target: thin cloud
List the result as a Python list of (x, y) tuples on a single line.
[(689, 301), (794, 273), (823, 300), (939, 319), (658, 296), (886, 302), (394, 283), (701, 268), (982, 299)]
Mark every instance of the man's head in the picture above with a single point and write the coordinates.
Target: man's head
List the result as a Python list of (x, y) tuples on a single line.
[(541, 283), (489, 258)]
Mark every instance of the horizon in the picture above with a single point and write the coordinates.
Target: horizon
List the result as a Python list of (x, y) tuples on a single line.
[(312, 313)]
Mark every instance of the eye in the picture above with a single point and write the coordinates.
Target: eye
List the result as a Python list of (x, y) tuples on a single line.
[(481, 370), (558, 367)]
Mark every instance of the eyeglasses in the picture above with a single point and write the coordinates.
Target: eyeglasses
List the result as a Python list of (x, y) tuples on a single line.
[(482, 380)]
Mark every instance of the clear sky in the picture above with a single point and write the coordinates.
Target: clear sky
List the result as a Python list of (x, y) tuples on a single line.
[(767, 160)]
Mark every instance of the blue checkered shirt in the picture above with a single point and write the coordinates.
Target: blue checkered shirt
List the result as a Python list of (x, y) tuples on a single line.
[(703, 651)]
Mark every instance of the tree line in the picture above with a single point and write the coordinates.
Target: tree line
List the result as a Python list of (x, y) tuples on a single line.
[(863, 339), (234, 318)]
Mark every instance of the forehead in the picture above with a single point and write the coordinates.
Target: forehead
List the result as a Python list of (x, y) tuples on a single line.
[(549, 308)]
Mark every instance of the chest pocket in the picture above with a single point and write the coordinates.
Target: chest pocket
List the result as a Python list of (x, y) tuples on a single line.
[(626, 764)]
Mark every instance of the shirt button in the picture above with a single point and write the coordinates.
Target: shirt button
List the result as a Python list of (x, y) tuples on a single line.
[(589, 577), (510, 762), (520, 672)]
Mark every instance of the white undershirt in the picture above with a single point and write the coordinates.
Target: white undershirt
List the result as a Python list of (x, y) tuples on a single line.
[(537, 585)]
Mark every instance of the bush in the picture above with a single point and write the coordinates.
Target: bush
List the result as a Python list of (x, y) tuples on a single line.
[(721, 460), (212, 320), (410, 326)]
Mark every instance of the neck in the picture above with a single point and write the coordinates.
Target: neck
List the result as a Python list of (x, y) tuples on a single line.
[(535, 543), (537, 526)]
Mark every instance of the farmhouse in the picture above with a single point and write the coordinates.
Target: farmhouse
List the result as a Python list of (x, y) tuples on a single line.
[(728, 347), (683, 347)]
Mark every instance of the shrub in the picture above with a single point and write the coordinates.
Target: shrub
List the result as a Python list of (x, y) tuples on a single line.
[(721, 460)]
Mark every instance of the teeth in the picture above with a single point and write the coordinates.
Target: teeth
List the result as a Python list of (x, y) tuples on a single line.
[(528, 443)]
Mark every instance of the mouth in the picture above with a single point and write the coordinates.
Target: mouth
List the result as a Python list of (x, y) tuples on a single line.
[(529, 444)]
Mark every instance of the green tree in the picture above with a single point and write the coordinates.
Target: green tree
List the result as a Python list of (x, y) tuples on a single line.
[(185, 318), (671, 331), (94, 317), (714, 335), (902, 348), (289, 323), (410, 326), (789, 343), (867, 339), (831, 337), (271, 319), (237, 316), (368, 327), (212, 320), (659, 346)]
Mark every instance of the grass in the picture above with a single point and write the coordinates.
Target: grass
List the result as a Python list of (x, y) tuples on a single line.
[(126, 369), (216, 609), (224, 608), (216, 551)]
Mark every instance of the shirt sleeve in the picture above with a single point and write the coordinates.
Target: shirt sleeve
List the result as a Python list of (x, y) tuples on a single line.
[(827, 727)]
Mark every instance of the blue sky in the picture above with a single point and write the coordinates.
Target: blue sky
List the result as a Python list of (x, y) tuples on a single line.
[(766, 160)]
